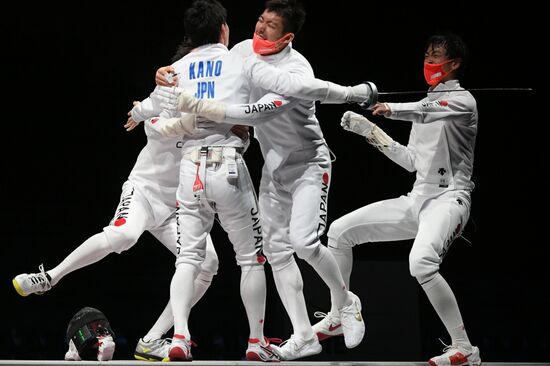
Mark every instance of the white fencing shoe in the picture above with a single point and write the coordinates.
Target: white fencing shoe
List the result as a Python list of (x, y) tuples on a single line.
[(294, 348), (352, 322), (33, 283), (330, 326)]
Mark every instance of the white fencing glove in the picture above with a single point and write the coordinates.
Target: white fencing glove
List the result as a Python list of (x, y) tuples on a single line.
[(359, 124), (356, 123), (137, 114), (366, 94), (147, 108), (183, 101), (106, 348), (180, 126), (72, 353), (167, 96)]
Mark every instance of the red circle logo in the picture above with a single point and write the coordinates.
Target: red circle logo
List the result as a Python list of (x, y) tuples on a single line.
[(120, 222)]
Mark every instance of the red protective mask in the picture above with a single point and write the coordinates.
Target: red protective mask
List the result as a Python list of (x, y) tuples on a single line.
[(433, 73), (264, 47)]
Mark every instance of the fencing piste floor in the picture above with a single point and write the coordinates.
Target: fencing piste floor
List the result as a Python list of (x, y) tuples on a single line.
[(249, 363)]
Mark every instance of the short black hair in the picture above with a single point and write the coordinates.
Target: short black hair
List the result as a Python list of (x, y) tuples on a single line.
[(455, 47), (292, 11), (202, 23)]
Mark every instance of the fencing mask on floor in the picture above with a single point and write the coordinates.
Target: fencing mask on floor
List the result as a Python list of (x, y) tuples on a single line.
[(90, 336)]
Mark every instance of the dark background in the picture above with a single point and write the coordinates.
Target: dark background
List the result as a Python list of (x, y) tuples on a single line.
[(69, 77)]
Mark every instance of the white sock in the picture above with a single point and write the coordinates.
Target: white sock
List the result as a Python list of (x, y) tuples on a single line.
[(325, 265), (202, 283), (344, 258), (444, 302), (181, 296), (162, 325), (253, 294), (166, 320), (290, 285), (459, 337), (92, 250)]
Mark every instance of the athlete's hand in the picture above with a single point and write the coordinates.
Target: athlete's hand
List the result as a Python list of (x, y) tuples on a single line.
[(162, 79), (381, 108), (131, 123), (356, 123), (181, 126)]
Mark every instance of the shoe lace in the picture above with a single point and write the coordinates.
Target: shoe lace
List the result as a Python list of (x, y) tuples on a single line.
[(448, 347), (320, 314), (330, 317), (40, 278)]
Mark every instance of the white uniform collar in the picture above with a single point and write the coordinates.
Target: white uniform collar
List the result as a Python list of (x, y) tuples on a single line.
[(277, 56), (452, 84), (210, 46)]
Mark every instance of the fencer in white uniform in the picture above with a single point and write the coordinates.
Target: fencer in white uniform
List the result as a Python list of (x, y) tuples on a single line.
[(296, 172), (214, 181), (147, 203), (434, 213), (293, 198)]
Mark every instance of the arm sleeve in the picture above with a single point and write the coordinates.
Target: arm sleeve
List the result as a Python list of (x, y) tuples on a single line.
[(457, 108), (147, 108), (402, 155), (254, 114), (158, 122), (291, 84)]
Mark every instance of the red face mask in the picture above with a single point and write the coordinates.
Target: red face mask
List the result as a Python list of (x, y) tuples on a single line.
[(264, 47), (433, 73)]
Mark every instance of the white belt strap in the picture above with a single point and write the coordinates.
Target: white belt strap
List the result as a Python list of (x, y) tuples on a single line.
[(213, 154)]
